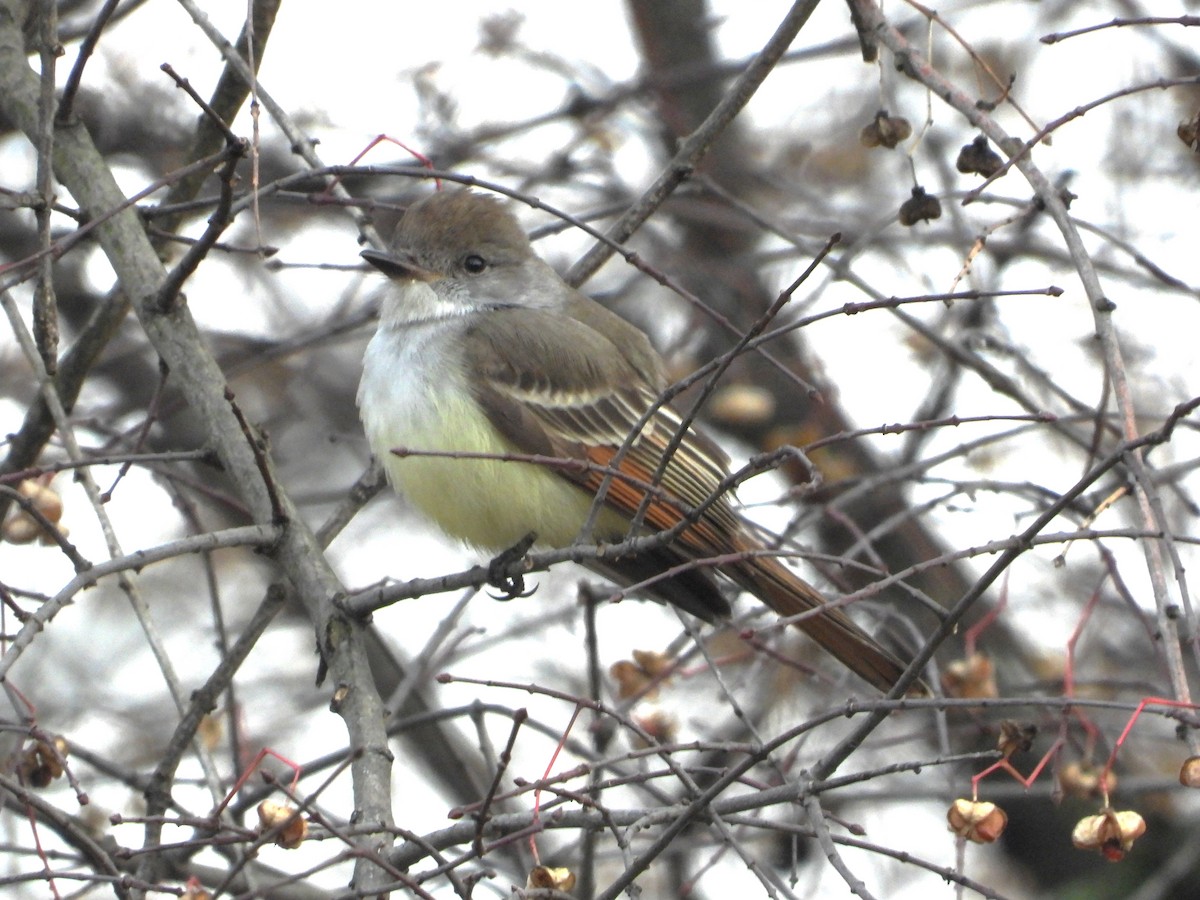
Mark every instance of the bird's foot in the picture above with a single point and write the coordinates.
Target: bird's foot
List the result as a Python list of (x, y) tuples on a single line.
[(511, 586)]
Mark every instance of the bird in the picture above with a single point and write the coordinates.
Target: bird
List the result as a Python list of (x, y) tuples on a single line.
[(515, 404)]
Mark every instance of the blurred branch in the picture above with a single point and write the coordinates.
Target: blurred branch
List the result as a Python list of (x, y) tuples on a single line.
[(697, 144), (233, 87)]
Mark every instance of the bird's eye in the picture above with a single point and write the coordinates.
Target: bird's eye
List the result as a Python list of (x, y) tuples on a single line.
[(474, 264)]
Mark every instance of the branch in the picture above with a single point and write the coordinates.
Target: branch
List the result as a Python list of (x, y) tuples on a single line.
[(174, 335), (693, 148)]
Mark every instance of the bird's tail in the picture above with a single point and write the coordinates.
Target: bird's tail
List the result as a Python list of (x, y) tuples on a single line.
[(789, 595)]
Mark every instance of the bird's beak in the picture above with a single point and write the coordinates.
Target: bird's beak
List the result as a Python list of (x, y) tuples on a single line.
[(398, 265)]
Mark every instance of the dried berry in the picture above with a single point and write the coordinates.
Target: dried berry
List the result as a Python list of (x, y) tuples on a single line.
[(1015, 737), (1110, 832), (40, 763), (1189, 772), (885, 131), (971, 678), (293, 827), (978, 158), (1189, 133), (630, 679), (545, 877), (976, 820), (743, 405), (633, 678), (1083, 780), (21, 527), (920, 207), (652, 662), (660, 727)]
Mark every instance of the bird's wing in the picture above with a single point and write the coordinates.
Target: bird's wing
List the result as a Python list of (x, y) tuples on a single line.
[(555, 386)]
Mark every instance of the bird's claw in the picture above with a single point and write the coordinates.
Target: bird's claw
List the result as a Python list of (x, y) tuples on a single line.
[(511, 586)]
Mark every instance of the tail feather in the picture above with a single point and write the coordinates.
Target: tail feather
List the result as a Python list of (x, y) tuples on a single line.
[(695, 590), (790, 595)]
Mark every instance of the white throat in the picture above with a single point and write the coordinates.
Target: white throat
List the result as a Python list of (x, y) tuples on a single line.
[(416, 303)]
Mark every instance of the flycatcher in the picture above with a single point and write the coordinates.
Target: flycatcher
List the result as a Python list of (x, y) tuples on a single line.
[(484, 351)]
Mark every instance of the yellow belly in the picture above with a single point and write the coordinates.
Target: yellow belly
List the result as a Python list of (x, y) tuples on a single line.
[(491, 504), (415, 396)]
